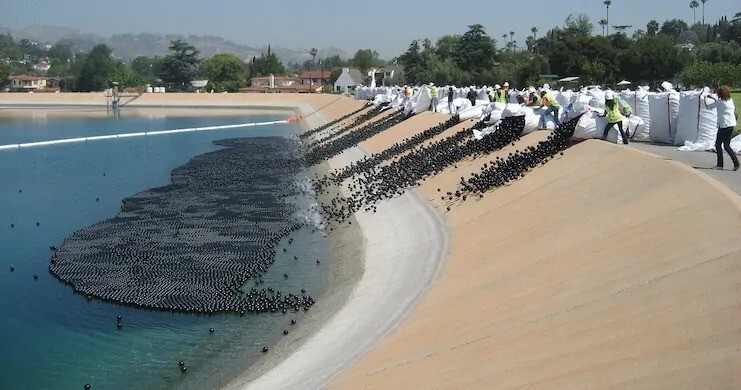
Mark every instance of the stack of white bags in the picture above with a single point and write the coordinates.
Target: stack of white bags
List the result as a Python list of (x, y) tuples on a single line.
[(671, 117)]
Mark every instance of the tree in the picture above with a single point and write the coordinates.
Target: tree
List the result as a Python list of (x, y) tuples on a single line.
[(147, 68), (652, 28), (534, 30), (703, 11), (603, 23), (313, 52), (693, 5), (592, 72), (225, 72), (58, 68), (652, 59), (578, 27), (674, 28), (607, 4), (365, 59), (4, 73), (621, 29), (180, 66), (60, 52), (476, 49), (704, 73), (124, 76), (95, 70), (266, 65), (714, 52), (446, 46), (638, 34)]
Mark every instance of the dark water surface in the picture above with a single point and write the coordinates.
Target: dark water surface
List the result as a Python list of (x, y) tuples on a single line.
[(51, 338)]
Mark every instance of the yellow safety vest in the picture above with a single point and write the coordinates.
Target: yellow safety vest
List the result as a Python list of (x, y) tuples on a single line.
[(502, 96), (435, 92), (550, 101), (613, 113)]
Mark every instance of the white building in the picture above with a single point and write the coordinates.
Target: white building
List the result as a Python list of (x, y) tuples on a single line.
[(348, 80), (27, 83)]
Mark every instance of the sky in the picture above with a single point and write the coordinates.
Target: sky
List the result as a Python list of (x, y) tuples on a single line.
[(387, 26)]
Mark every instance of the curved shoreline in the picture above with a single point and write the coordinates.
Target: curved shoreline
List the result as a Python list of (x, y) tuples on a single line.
[(393, 283)]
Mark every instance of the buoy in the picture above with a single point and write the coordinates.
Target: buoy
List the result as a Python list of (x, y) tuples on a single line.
[(264, 349), (211, 330)]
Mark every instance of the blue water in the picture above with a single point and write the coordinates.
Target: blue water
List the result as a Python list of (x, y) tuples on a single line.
[(51, 338)]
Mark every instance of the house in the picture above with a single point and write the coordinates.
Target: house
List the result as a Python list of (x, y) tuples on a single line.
[(27, 83), (42, 66), (349, 79), (294, 88), (274, 81), (384, 74), (315, 77)]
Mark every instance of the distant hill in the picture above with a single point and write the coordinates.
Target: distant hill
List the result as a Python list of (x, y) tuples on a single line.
[(130, 46)]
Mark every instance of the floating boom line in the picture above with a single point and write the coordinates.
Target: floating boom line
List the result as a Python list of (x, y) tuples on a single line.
[(140, 134)]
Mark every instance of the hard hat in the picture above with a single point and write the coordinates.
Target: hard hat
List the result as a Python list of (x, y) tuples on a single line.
[(497, 86), (432, 84), (531, 90), (546, 86), (609, 95), (506, 84)]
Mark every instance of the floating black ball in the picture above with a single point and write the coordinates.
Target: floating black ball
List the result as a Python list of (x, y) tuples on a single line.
[(285, 332), (264, 349), (181, 363), (211, 330)]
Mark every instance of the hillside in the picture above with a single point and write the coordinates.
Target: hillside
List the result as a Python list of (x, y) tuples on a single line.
[(129, 46)]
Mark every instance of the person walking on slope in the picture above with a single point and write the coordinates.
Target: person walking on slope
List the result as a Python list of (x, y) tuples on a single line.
[(435, 95), (614, 116), (726, 123), (451, 97), (551, 104)]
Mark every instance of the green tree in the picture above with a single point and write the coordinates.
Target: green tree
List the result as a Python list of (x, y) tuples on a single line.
[(703, 73), (475, 50), (60, 52), (95, 70), (674, 29), (58, 68), (652, 59), (578, 27), (124, 76), (313, 52), (593, 72), (652, 28), (719, 52), (365, 59), (266, 65), (225, 72), (180, 66), (4, 73), (446, 46), (147, 67)]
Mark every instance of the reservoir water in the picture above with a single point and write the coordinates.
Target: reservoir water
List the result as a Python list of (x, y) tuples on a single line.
[(51, 338)]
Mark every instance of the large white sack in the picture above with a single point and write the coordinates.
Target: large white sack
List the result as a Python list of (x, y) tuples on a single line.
[(592, 126), (564, 97), (664, 110), (472, 112), (697, 124), (579, 106), (639, 102), (597, 98), (420, 102)]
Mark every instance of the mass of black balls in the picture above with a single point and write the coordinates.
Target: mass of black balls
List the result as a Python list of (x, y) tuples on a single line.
[(327, 125), (331, 148), (502, 171), (191, 246), (369, 185), (343, 130), (400, 147)]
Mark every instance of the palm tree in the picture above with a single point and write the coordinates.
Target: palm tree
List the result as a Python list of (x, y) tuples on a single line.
[(603, 23), (504, 36), (703, 10), (621, 29), (511, 38), (534, 30), (693, 5), (608, 3)]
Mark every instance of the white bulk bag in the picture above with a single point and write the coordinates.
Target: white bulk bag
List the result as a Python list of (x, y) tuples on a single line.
[(579, 106), (598, 98), (639, 102), (697, 123), (592, 126), (664, 110), (472, 112), (420, 102)]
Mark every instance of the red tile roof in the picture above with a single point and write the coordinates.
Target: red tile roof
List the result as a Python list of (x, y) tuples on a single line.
[(316, 74), (25, 77)]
